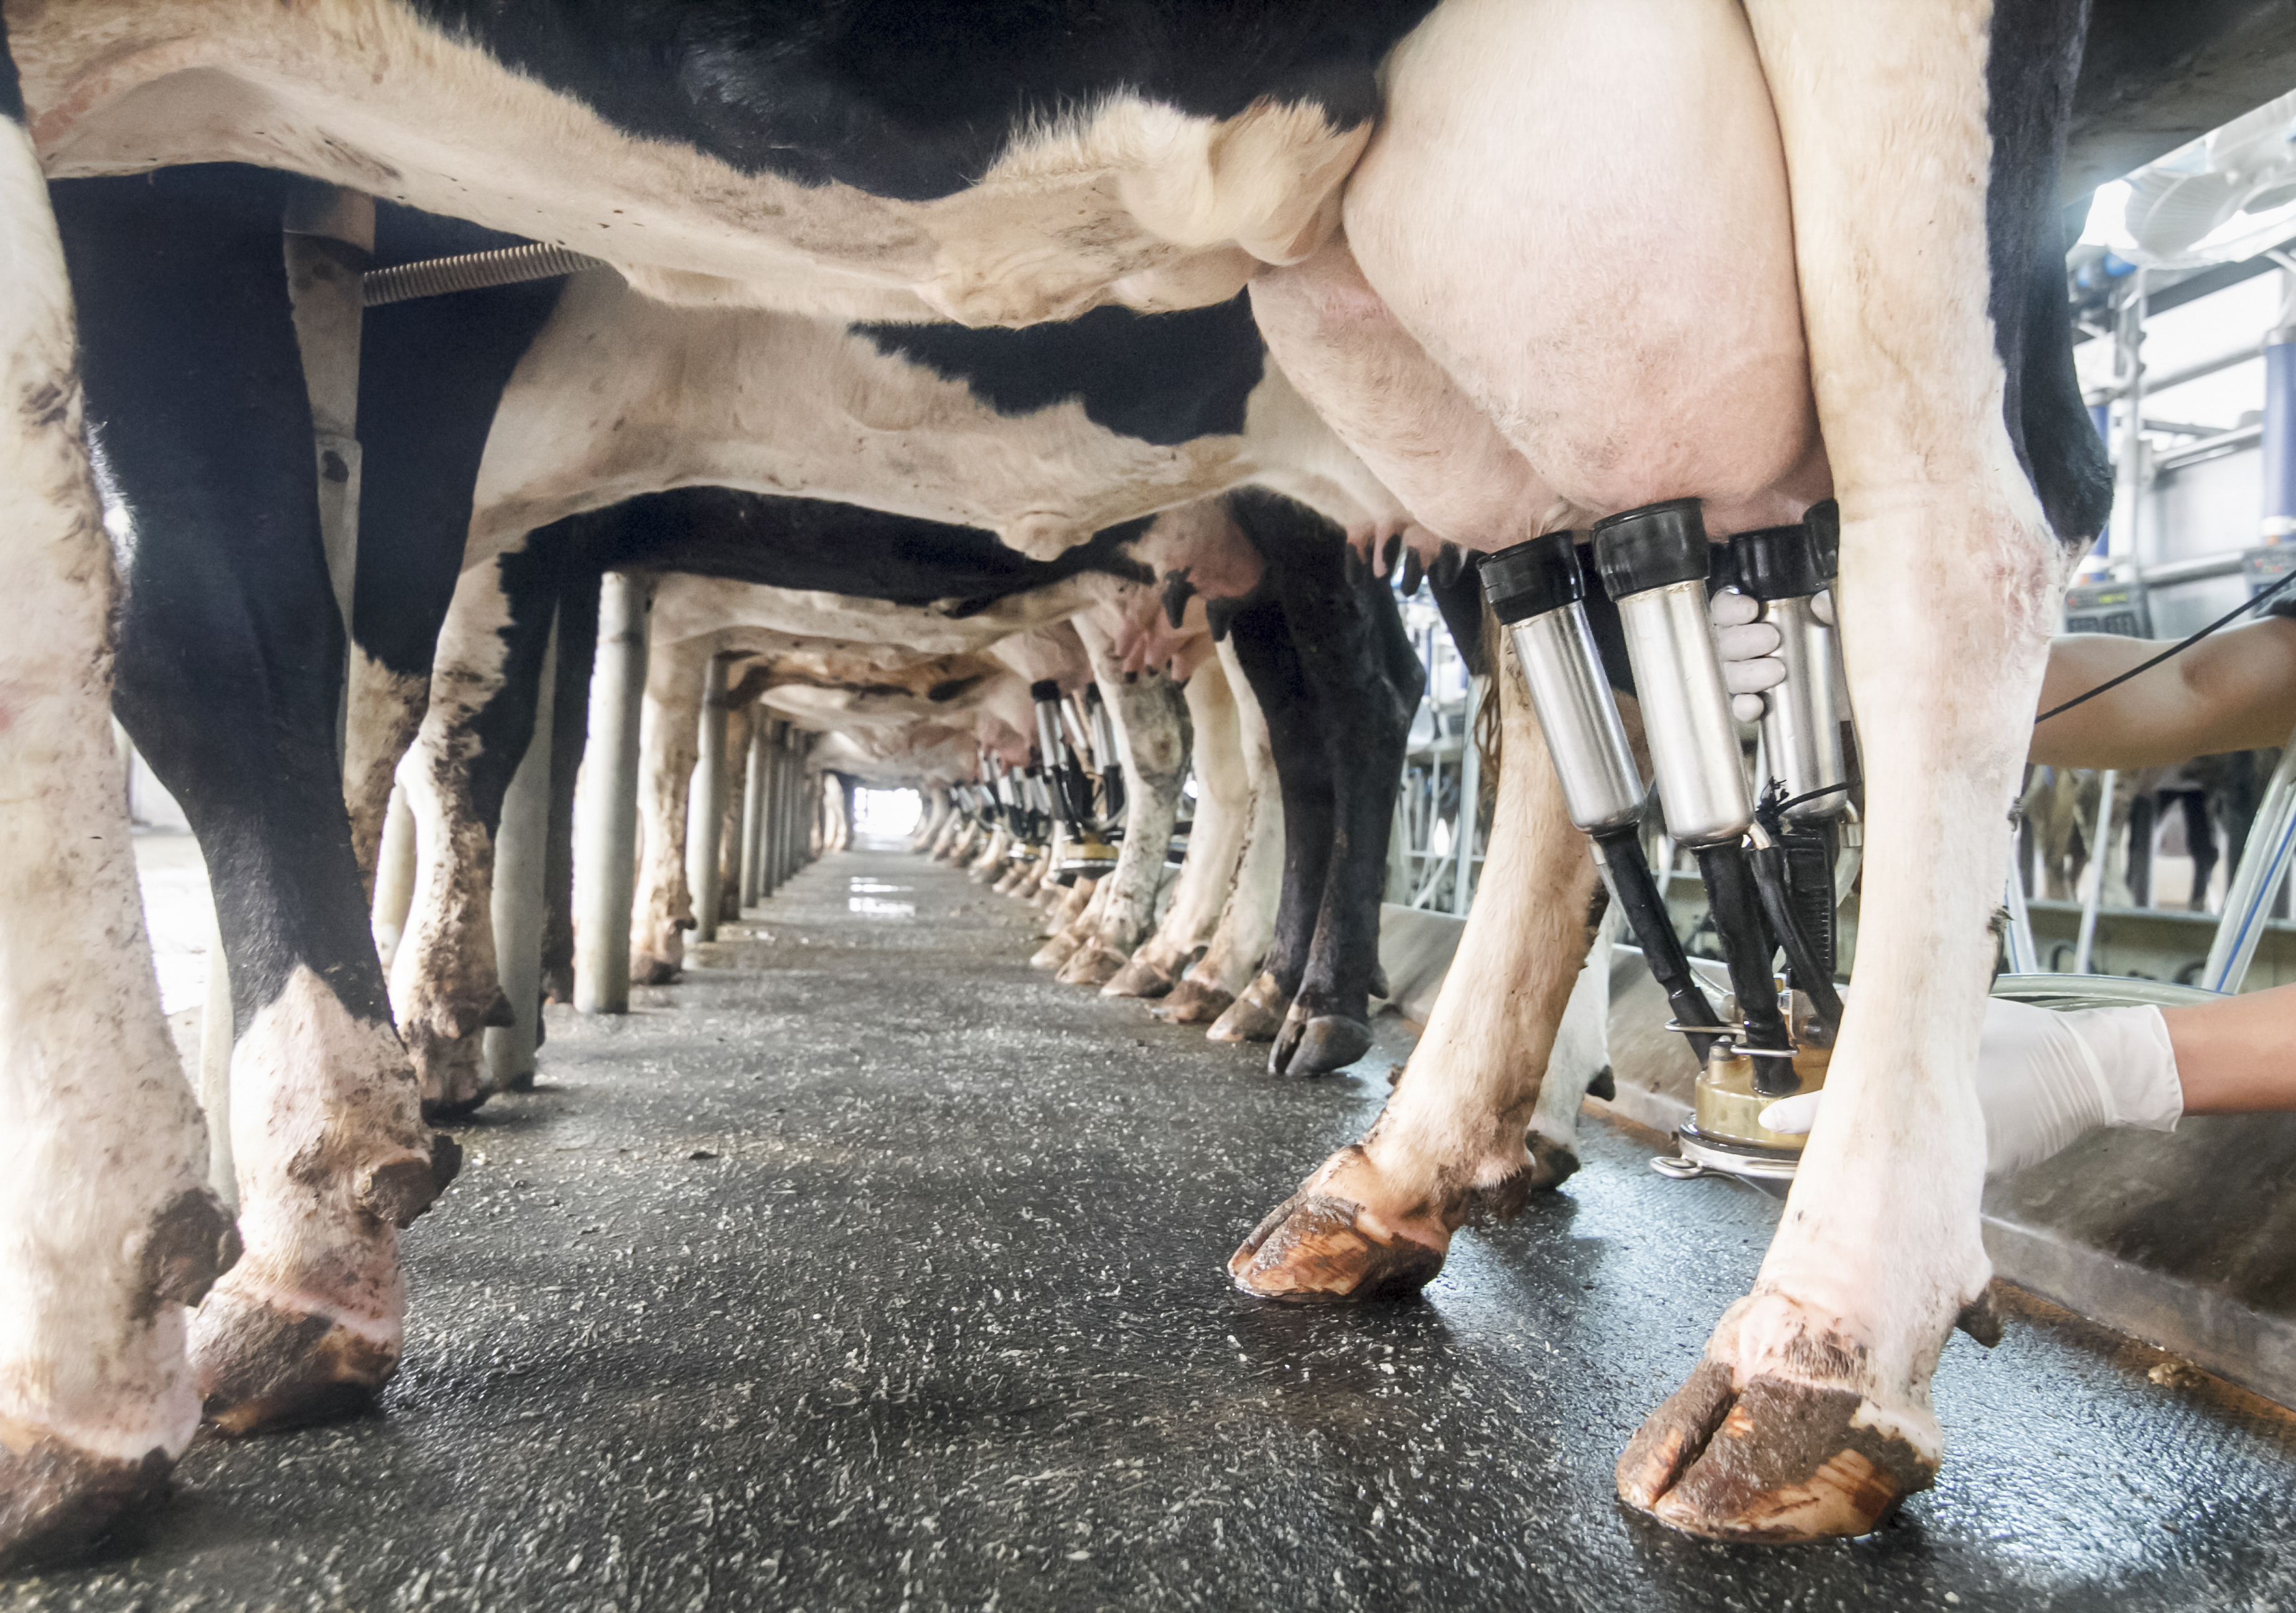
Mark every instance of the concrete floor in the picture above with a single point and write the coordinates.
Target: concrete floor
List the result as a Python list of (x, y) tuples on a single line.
[(869, 1269)]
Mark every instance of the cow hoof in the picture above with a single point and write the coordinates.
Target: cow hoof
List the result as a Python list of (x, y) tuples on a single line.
[(1318, 1045), (1192, 1002), (1326, 1246), (1256, 1016), (1143, 977), (1322, 1246), (1766, 1458), (56, 1499), (263, 1364), (1053, 953), (448, 1076), (1551, 1165), (402, 1186), (1092, 963), (651, 969)]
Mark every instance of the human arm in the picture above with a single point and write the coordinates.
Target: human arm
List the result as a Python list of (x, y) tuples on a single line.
[(2233, 691)]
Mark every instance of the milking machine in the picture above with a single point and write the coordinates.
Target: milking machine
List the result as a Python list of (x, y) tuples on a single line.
[(1768, 859), (1062, 739)]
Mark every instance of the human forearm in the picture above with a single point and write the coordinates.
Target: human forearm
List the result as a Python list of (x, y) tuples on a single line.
[(2233, 692)]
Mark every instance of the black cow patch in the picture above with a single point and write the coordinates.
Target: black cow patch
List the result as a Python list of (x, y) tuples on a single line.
[(916, 98), (1163, 378)]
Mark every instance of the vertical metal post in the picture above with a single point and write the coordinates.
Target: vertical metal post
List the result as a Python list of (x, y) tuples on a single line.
[(2277, 519), (753, 815), (705, 804), (520, 893), (2023, 957), (328, 242), (2129, 474), (606, 825), (2263, 866), (1471, 790), (2098, 843)]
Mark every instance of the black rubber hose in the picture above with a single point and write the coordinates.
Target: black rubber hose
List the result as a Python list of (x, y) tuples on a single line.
[(1810, 973), (1736, 904), (1628, 878)]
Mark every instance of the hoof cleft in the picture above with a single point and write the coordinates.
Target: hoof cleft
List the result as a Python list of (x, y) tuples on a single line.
[(1773, 1461), (1318, 1045)]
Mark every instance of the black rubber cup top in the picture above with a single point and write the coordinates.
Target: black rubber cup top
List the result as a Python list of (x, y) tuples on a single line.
[(1045, 689), (1778, 562), (1824, 519), (1532, 578), (1653, 547)]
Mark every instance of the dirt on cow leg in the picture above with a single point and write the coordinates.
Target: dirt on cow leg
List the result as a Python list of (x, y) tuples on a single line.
[(1744, 1453), (1192, 1001), (1094, 963), (1255, 1015), (308, 1323), (1325, 1244), (1147, 975)]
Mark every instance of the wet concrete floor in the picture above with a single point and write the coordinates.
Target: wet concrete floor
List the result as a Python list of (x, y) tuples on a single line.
[(867, 1268)]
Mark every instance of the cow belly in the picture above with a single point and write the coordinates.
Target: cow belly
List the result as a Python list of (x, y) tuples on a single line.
[(1579, 210)]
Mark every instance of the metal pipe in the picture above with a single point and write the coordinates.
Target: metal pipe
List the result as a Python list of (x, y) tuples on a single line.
[(753, 814), (2277, 520), (2192, 453), (606, 830), (2104, 396), (2263, 866), (2098, 844), (2129, 469), (2023, 958), (705, 805)]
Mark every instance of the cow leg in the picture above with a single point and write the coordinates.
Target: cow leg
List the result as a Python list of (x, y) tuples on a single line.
[(107, 1228), (229, 675), (486, 684), (1449, 1148), (1151, 714), (670, 743), (2201, 841), (1247, 920), (1366, 683), (432, 373), (1223, 804), (1810, 1413), (1270, 659)]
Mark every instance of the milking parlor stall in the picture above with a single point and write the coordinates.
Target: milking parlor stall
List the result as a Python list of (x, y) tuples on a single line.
[(1476, 803)]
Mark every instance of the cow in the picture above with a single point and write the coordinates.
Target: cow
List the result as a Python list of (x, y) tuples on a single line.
[(1913, 358), (1024, 170)]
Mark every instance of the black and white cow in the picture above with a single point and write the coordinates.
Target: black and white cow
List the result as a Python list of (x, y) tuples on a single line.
[(876, 163)]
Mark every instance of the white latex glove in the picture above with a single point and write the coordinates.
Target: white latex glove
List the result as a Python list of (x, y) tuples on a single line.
[(1748, 648), (2044, 1078)]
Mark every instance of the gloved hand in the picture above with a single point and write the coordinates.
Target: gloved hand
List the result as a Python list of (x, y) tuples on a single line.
[(1749, 648), (2044, 1078)]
